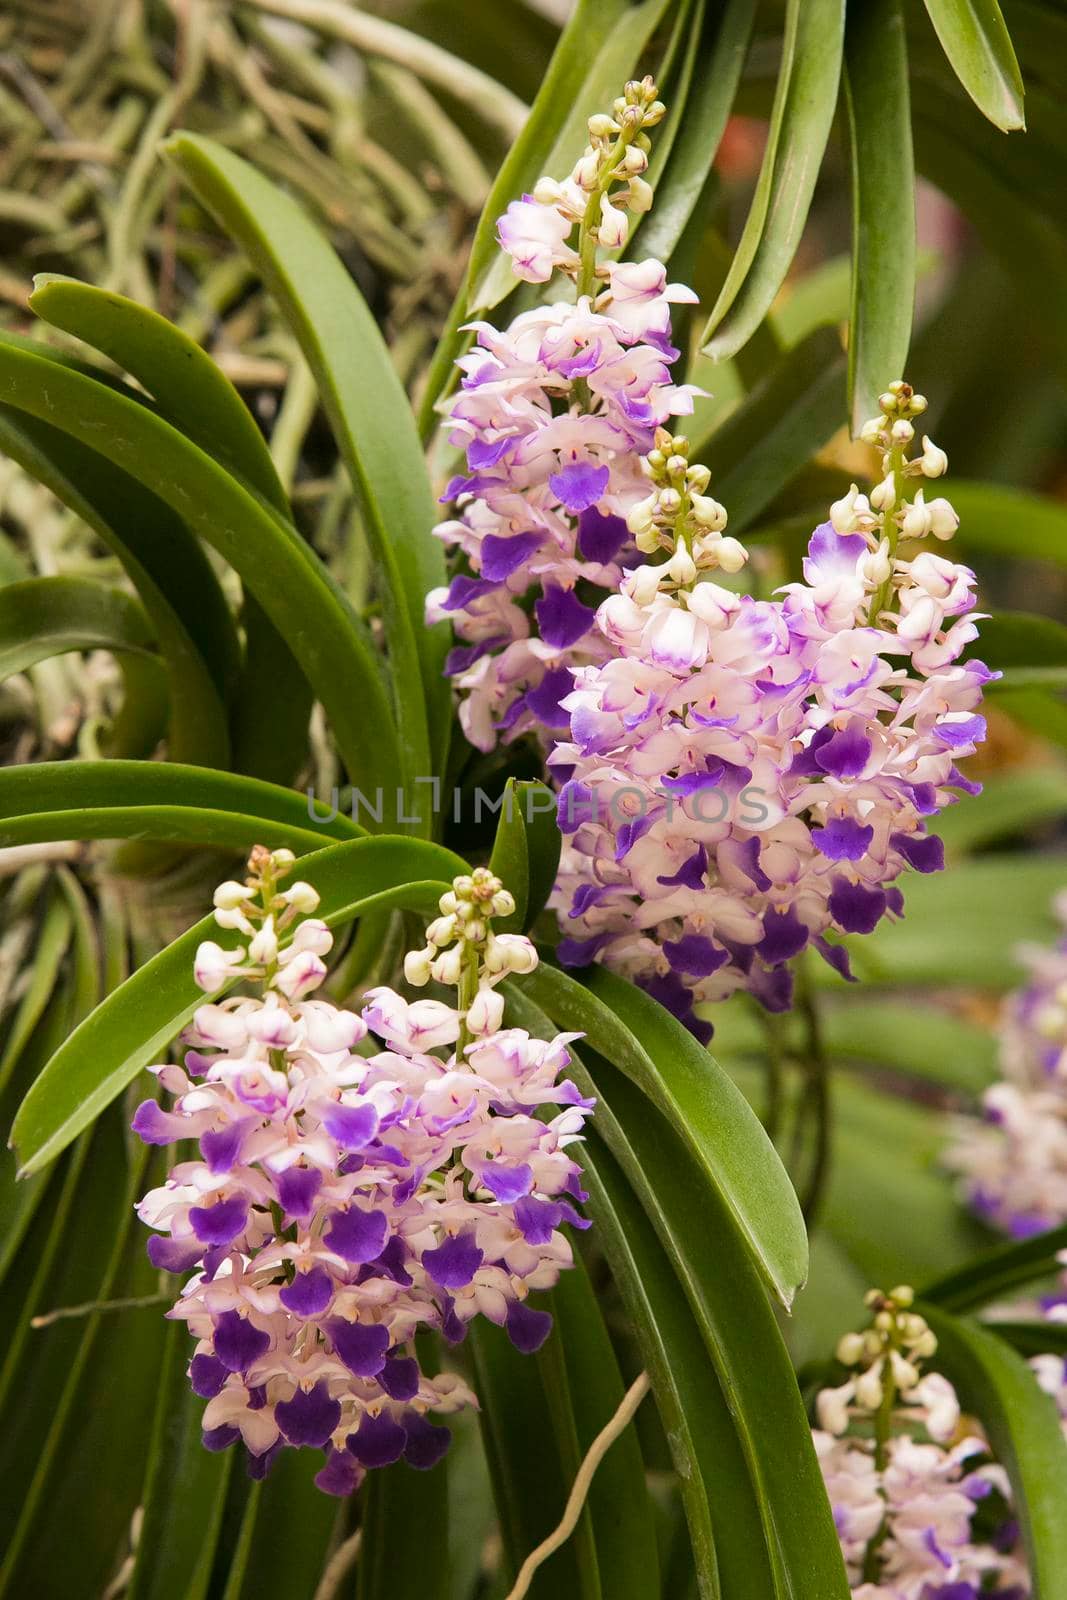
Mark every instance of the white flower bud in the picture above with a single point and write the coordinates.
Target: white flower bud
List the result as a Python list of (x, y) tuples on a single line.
[(915, 523), (697, 478), (502, 904), (850, 1349), (601, 126), (587, 172), (943, 519), (234, 920), (904, 1372), (681, 566), (869, 1388), (640, 195), (871, 431), (264, 947), (634, 162), (642, 584), (877, 566), (302, 897), (486, 1013), (447, 966), (510, 952), (884, 494), (933, 461), (639, 518), (843, 511), (228, 896), (708, 513), (732, 554), (902, 432), (613, 227), (417, 967)]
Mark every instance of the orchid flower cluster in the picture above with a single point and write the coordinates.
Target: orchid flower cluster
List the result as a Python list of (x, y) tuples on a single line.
[(360, 1179), (1014, 1166), (921, 1510), (738, 778)]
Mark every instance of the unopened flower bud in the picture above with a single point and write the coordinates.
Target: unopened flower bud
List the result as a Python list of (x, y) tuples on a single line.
[(850, 1349), (871, 432), (639, 517), (869, 1389), (642, 584), (697, 478), (708, 513), (915, 524), (681, 566), (613, 227), (639, 195), (486, 1014), (264, 947), (884, 494), (877, 566), (601, 126), (586, 172), (447, 966), (843, 511), (943, 519), (933, 461), (902, 432), (417, 966), (228, 896), (301, 897), (732, 554), (443, 929)]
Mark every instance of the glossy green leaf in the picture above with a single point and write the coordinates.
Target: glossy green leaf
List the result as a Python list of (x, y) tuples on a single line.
[(292, 585), (974, 37), (883, 202), (185, 1489), (526, 850), (159, 800), (1029, 649), (741, 1337), (133, 1025), (1010, 805), (997, 1272), (403, 1554), (1023, 1426), (701, 1103), (44, 617), (166, 565), (722, 45), (800, 126), (1038, 1338), (291, 1566), (923, 1041), (777, 428), (194, 394), (369, 413), (48, 953)]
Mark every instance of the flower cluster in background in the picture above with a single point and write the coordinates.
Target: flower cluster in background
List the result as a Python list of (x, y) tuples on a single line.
[(360, 1178), (922, 1511), (739, 777), (1014, 1164)]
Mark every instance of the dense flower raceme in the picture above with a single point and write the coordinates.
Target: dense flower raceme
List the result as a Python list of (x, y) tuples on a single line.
[(744, 777), (921, 1510), (739, 777), (1014, 1165), (359, 1179)]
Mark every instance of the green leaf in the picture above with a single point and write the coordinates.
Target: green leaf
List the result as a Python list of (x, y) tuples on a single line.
[(526, 850), (403, 1555), (290, 582), (701, 1103), (184, 1492), (1030, 650), (620, 1510), (1010, 522), (198, 398), (995, 1274), (741, 1337), (773, 433), (369, 413), (291, 1566), (48, 953), (924, 1041), (800, 126), (44, 617), (1011, 805), (977, 43), (883, 202), (166, 565), (722, 45), (1024, 1432), (1032, 1338), (159, 800), (138, 1021)]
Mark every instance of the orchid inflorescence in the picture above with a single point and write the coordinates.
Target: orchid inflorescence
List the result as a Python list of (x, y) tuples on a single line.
[(360, 1179), (921, 1509), (738, 778), (1014, 1166)]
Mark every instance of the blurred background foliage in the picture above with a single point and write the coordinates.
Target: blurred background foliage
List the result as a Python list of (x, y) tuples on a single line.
[(390, 122)]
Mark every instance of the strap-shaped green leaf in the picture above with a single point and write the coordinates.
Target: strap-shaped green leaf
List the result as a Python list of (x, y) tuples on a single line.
[(159, 800), (740, 1335), (721, 47), (1023, 1426), (883, 202), (194, 394), (369, 413), (166, 565), (293, 586), (974, 37), (1011, 522), (1001, 1269), (773, 433), (141, 1018), (44, 617), (700, 1102), (526, 849), (800, 126)]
